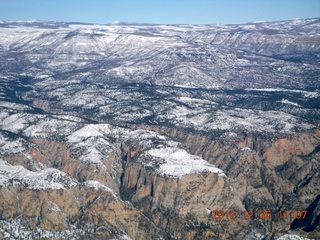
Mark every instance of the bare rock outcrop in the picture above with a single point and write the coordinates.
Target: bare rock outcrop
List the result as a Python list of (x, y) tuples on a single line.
[(182, 206)]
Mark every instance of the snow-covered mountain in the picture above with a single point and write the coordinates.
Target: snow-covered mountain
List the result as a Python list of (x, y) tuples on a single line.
[(142, 131)]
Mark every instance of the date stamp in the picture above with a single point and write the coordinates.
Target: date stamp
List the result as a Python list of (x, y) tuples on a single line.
[(262, 214)]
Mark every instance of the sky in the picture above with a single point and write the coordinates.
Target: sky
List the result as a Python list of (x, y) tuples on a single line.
[(159, 11)]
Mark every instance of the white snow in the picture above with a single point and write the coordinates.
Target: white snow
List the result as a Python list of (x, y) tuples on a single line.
[(98, 186), (196, 100), (15, 229), (14, 106), (49, 178), (48, 126), (14, 122), (305, 93), (122, 237), (92, 155), (92, 142), (246, 149), (178, 162), (184, 86), (256, 120), (291, 237), (12, 147), (285, 101), (311, 94), (54, 207), (90, 130)]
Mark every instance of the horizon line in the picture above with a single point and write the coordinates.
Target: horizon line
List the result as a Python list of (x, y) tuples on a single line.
[(116, 22)]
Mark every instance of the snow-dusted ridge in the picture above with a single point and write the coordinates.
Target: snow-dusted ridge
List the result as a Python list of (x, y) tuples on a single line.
[(98, 186), (286, 101), (311, 94), (49, 178)]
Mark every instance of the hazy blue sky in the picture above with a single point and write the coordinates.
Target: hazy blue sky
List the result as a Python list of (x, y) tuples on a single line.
[(159, 11)]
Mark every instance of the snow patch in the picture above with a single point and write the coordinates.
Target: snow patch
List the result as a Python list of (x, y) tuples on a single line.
[(292, 237), (98, 186), (285, 101), (178, 162), (90, 130), (54, 207), (246, 149)]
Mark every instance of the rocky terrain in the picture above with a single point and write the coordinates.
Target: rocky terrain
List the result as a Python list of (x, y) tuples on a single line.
[(141, 131)]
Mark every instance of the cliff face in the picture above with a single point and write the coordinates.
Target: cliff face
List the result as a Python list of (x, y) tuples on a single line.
[(272, 174), (68, 210), (182, 206)]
